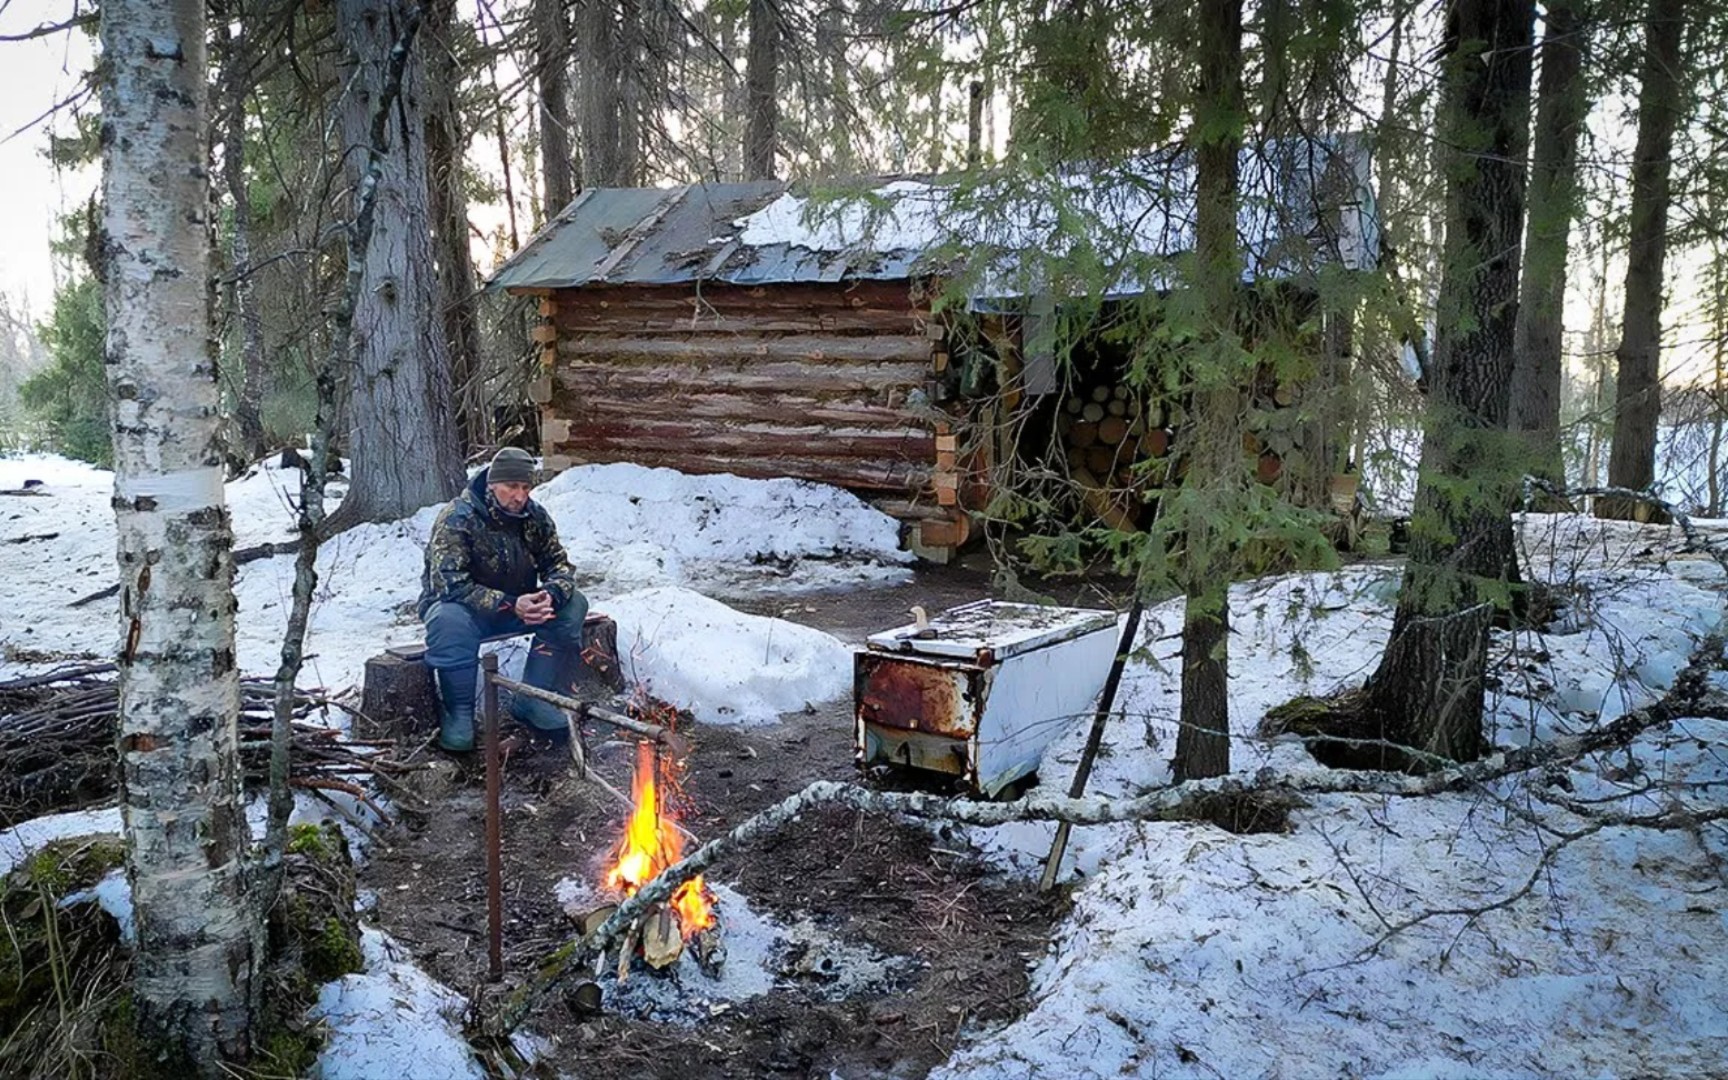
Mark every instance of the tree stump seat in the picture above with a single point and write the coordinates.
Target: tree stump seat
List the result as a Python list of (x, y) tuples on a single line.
[(399, 698)]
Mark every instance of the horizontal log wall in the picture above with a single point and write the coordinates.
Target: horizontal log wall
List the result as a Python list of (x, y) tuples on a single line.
[(817, 382)]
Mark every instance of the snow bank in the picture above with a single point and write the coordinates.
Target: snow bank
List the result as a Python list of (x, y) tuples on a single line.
[(392, 1020), (629, 527), (725, 666), (628, 530)]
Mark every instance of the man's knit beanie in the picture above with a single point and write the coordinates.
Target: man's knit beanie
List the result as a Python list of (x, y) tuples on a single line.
[(511, 465)]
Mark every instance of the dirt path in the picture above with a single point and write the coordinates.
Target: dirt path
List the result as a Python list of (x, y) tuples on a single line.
[(897, 939)]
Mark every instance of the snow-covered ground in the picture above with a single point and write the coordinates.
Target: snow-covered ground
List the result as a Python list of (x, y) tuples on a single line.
[(1189, 952), (631, 533)]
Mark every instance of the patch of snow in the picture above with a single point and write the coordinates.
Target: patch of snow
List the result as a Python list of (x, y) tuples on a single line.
[(902, 215), (723, 665), (1191, 952), (628, 527), (392, 1020), (21, 840), (114, 893)]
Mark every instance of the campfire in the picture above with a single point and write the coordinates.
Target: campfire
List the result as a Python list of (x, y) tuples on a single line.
[(652, 841)]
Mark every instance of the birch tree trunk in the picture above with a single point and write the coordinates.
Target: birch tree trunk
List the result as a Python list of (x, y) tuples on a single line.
[(402, 437), (1638, 391), (1428, 690), (179, 689), (1561, 104), (1215, 458)]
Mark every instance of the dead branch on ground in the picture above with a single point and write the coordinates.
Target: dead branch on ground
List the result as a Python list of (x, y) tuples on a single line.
[(57, 742)]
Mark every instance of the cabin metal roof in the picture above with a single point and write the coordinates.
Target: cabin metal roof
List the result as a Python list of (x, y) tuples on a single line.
[(1304, 202)]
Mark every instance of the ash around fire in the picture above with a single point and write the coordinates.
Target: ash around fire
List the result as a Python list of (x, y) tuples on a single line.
[(760, 955)]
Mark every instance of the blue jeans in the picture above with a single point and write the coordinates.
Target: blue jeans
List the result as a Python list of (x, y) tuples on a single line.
[(454, 631)]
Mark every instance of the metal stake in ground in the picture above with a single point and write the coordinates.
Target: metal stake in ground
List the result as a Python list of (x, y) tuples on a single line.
[(494, 827), (1107, 698)]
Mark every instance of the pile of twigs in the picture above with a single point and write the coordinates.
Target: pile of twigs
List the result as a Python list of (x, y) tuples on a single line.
[(58, 743)]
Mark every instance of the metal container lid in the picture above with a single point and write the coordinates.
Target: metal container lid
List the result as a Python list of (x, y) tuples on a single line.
[(988, 631)]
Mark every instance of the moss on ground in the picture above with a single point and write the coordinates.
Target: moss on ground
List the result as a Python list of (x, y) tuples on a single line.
[(61, 964), (66, 1003)]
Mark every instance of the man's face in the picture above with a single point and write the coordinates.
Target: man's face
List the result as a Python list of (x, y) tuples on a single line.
[(512, 496)]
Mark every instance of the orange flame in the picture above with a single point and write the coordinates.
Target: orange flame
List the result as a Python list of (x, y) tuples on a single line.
[(651, 843)]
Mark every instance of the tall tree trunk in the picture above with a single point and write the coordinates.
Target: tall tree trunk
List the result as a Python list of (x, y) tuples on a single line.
[(1597, 352), (179, 689), (632, 104), (401, 435), (458, 285), (1427, 692), (1719, 382), (734, 100), (761, 82), (1215, 454), (248, 406), (1561, 105), (601, 72), (552, 59), (1638, 393)]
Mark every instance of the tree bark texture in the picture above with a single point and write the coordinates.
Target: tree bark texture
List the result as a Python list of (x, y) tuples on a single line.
[(1638, 393), (179, 689), (458, 285), (402, 438), (1214, 462), (552, 61), (1429, 686), (761, 79), (606, 35), (1562, 101)]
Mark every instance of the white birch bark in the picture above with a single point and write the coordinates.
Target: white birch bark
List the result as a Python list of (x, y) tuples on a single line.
[(179, 690)]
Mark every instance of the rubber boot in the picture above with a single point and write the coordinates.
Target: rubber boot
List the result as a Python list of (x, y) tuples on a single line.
[(456, 708), (541, 672)]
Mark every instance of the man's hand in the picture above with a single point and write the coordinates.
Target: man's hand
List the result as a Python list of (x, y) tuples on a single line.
[(534, 608)]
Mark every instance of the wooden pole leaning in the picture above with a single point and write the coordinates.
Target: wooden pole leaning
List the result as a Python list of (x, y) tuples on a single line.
[(494, 825), (1094, 739)]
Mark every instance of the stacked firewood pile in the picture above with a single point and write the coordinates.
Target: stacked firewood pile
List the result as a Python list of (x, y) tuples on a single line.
[(58, 739), (1106, 429)]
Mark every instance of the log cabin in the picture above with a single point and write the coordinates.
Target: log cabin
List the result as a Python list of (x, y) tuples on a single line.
[(895, 336)]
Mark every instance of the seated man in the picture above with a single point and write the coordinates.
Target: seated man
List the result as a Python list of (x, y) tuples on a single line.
[(494, 566)]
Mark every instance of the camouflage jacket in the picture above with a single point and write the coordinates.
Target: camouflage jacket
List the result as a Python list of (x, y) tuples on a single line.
[(484, 558)]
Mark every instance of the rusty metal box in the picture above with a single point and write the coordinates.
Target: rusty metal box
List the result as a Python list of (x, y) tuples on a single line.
[(981, 691)]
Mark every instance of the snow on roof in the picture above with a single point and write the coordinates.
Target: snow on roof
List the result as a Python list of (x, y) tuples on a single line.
[(1304, 203)]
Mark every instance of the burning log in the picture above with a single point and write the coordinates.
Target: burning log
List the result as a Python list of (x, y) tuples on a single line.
[(652, 842), (662, 938)]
